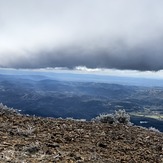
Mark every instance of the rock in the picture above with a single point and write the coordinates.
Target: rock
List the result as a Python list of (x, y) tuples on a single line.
[(103, 145), (32, 150), (54, 145), (67, 141)]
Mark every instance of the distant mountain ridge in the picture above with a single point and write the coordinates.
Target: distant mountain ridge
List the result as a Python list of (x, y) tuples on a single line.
[(47, 97)]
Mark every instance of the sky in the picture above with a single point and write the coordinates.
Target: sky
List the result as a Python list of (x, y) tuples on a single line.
[(93, 34)]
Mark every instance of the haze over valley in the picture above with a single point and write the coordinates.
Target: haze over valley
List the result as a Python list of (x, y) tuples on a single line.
[(80, 96)]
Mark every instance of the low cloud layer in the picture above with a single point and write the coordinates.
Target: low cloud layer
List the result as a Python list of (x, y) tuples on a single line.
[(96, 34)]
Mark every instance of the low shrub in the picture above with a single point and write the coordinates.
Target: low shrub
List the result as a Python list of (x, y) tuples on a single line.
[(119, 116), (105, 118)]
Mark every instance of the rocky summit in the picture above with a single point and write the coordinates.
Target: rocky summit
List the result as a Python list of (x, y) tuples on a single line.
[(29, 139)]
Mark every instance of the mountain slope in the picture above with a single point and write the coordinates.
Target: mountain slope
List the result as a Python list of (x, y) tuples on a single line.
[(34, 139)]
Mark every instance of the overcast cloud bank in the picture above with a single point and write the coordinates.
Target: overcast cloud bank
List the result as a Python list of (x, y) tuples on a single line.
[(121, 34)]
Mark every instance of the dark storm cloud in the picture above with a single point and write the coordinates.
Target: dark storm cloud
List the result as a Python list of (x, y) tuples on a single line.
[(122, 57), (120, 34)]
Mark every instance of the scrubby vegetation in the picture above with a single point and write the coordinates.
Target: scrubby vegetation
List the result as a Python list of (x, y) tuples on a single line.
[(119, 116), (6, 110), (153, 129)]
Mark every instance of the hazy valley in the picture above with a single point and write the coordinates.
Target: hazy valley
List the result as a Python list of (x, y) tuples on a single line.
[(45, 96)]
